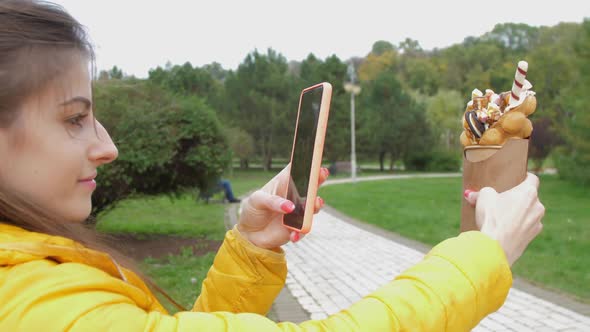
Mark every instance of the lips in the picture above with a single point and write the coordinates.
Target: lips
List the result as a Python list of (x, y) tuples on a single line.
[(89, 178)]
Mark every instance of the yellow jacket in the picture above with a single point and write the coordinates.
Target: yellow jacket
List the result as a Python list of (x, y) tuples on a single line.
[(50, 283)]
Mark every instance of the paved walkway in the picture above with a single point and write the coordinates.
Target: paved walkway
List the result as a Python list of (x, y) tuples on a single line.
[(330, 270)]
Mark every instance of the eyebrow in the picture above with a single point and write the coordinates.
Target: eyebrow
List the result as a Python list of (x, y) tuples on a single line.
[(87, 103)]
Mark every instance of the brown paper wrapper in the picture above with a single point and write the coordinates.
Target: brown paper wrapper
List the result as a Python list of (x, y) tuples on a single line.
[(500, 167)]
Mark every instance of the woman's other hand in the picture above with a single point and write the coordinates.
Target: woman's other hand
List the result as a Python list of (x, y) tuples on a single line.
[(261, 219), (513, 217)]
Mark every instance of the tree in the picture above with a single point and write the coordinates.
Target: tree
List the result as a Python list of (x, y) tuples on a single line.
[(166, 143), (382, 46), (473, 64), (392, 122), (185, 80), (114, 73), (444, 112), (263, 103), (554, 66), (518, 37), (333, 70), (419, 73), (384, 58), (241, 144), (411, 48), (542, 141), (216, 71), (573, 159)]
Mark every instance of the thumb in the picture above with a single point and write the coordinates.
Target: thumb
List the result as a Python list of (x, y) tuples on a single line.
[(471, 196), (485, 204)]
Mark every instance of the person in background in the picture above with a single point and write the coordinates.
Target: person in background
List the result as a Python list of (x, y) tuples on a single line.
[(228, 192), (55, 275)]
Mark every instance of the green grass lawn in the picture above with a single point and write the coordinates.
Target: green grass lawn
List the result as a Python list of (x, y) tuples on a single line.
[(244, 181), (175, 275), (428, 210), (180, 216)]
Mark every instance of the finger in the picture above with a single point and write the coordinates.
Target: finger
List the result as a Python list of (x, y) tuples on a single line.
[(532, 179), (295, 236), (540, 211), (319, 203), (324, 173), (265, 201), (471, 196), (485, 203), (486, 193)]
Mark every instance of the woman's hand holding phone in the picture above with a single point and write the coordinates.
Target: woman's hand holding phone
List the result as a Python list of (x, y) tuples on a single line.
[(261, 219)]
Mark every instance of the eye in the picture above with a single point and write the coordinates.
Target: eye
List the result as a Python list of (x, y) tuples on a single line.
[(77, 120)]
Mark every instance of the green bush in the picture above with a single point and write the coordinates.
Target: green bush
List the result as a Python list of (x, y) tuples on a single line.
[(444, 161), (417, 160), (166, 143), (572, 165), (433, 161)]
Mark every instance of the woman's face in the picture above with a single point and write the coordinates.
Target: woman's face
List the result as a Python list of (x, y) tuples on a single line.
[(51, 152)]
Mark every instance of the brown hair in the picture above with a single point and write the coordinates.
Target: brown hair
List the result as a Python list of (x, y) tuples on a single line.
[(37, 39)]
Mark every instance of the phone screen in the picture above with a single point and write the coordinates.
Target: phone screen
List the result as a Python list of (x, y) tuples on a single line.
[(305, 133)]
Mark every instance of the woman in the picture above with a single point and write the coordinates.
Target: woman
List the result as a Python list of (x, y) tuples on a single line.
[(51, 146)]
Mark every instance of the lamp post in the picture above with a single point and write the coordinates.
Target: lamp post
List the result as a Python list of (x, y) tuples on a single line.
[(354, 89)]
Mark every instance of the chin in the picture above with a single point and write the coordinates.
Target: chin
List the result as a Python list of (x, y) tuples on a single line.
[(79, 213)]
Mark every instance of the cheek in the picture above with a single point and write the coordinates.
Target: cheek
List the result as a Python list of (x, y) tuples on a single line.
[(45, 171)]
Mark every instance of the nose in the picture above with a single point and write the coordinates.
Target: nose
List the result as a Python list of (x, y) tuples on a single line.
[(103, 150)]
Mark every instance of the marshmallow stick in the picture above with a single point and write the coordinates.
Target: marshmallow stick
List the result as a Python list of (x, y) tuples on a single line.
[(519, 79)]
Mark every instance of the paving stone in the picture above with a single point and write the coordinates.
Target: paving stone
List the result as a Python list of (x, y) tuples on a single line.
[(578, 327), (492, 325), (502, 319), (532, 314), (545, 329), (561, 318), (529, 322), (556, 325), (328, 271), (516, 326)]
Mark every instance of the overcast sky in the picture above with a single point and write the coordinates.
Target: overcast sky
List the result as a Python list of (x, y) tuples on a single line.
[(137, 35)]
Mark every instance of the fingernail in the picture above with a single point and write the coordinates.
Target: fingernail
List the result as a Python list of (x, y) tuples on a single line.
[(287, 206), (295, 237), (327, 171), (466, 193), (321, 201)]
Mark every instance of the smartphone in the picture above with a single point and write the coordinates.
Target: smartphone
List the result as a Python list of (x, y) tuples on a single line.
[(306, 155)]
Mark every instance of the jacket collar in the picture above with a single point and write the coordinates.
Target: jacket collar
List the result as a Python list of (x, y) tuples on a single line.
[(20, 246)]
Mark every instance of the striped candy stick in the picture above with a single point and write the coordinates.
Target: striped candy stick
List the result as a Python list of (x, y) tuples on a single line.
[(519, 78)]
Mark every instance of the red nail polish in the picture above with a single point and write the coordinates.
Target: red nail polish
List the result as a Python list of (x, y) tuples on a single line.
[(295, 237), (466, 193), (321, 201), (287, 206)]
